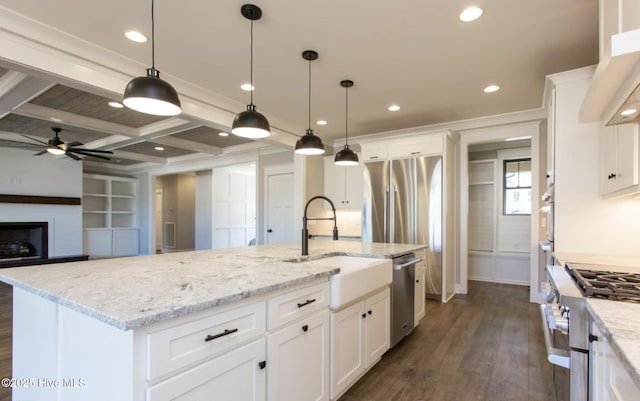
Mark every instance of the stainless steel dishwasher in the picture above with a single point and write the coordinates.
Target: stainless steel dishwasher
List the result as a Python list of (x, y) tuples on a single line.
[(402, 296)]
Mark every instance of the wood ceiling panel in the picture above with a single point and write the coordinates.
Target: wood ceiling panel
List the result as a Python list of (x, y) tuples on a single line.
[(115, 161), (85, 104), (210, 136), (148, 148), (42, 129)]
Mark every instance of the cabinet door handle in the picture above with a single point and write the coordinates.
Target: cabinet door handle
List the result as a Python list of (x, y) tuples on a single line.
[(364, 315), (370, 312), (224, 333), (611, 176), (415, 153), (262, 364), (307, 302), (592, 338), (373, 157), (305, 328), (269, 230)]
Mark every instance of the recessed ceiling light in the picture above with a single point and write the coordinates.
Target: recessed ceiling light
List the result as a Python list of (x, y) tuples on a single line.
[(159, 148), (247, 87), (56, 119), (628, 112), (135, 36), (222, 134), (394, 107), (491, 88), (321, 122), (116, 105), (470, 14)]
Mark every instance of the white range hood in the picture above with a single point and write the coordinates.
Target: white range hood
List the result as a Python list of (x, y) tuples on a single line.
[(616, 83)]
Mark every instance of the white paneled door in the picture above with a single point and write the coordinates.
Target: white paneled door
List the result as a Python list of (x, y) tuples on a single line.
[(280, 218)]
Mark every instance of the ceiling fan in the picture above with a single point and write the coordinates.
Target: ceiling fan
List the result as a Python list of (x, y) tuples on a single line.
[(56, 146)]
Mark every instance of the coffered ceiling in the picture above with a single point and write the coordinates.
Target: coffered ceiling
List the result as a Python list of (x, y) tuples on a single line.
[(61, 62)]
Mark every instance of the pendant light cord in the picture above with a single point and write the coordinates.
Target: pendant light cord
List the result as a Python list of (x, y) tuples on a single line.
[(153, 40), (251, 63), (309, 94), (346, 116)]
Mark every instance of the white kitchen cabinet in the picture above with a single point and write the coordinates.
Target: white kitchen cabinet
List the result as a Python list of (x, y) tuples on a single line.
[(419, 304), (108, 243), (298, 360), (609, 380), (343, 185), (619, 160), (235, 376), (360, 334)]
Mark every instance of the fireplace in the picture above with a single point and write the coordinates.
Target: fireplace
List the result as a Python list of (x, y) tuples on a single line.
[(23, 241)]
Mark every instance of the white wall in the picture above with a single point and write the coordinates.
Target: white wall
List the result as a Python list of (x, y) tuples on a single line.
[(584, 221), (204, 209), (23, 174)]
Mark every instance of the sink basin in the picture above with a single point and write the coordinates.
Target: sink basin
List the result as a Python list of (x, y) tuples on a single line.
[(357, 277)]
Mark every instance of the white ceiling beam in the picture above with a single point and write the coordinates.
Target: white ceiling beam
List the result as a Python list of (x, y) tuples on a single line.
[(17, 89), (187, 145)]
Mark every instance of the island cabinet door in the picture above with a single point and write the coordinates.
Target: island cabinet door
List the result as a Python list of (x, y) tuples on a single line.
[(238, 375), (298, 360), (347, 347), (377, 326)]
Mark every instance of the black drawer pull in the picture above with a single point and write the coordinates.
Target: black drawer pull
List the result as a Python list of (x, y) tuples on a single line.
[(309, 301), (262, 364), (415, 153), (224, 333), (305, 328)]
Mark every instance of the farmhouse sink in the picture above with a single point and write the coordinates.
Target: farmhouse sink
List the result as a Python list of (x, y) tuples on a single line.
[(357, 277)]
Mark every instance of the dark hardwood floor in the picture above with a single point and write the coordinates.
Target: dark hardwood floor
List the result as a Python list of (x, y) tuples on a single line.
[(487, 345)]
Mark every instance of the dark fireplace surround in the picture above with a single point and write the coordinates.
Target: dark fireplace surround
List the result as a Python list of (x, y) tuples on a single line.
[(23, 241)]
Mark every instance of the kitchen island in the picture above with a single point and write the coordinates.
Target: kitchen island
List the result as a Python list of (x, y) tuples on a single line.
[(135, 328)]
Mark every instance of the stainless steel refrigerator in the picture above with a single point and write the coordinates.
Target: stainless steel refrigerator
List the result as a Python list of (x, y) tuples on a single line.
[(403, 204)]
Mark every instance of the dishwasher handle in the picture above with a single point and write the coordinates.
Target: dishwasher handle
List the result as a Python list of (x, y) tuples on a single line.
[(406, 264)]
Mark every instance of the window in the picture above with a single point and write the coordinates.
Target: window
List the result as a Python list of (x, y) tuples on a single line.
[(517, 187)]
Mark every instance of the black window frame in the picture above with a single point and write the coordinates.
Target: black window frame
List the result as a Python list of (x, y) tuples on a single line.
[(504, 184)]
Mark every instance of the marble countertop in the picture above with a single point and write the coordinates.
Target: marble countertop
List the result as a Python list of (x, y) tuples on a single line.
[(620, 324), (132, 292)]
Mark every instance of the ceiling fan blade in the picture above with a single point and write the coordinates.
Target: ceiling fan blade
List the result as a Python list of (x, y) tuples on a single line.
[(71, 155), (87, 151), (72, 144), (35, 140), (98, 156), (40, 153), (33, 145)]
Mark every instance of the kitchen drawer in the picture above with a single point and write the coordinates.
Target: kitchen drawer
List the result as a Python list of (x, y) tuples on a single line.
[(292, 305), (181, 345)]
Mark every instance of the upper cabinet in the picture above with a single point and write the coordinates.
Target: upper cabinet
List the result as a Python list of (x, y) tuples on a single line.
[(619, 160), (343, 185)]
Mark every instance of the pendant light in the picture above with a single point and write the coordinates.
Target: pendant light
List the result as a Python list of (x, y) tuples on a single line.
[(346, 157), (250, 123), (309, 144), (150, 94)]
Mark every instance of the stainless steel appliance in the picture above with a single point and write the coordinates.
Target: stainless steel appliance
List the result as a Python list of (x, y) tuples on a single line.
[(566, 310), (403, 204), (403, 296)]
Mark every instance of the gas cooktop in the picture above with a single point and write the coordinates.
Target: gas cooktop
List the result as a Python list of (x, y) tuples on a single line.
[(618, 286)]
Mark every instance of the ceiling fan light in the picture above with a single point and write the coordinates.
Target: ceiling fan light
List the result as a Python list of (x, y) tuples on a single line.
[(309, 144), (250, 124), (346, 157), (152, 95), (55, 151)]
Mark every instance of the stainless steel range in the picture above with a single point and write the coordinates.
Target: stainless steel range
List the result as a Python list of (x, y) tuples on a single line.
[(565, 313)]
